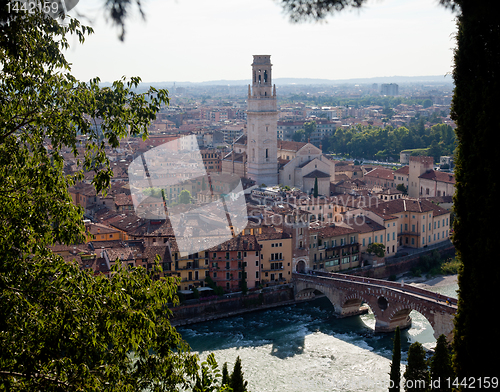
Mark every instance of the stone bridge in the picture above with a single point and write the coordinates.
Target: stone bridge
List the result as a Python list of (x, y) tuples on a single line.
[(390, 302)]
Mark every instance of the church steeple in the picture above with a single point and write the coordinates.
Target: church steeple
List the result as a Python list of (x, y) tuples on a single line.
[(261, 76), (262, 124)]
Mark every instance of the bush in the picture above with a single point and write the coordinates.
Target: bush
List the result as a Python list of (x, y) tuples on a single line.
[(450, 267)]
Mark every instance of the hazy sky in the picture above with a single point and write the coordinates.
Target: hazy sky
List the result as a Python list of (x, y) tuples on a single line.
[(200, 40)]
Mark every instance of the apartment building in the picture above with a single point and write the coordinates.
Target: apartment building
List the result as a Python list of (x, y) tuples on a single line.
[(275, 258), (334, 248), (235, 261), (419, 222)]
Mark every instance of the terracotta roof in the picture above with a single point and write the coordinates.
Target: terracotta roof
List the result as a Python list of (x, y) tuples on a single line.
[(127, 223), (439, 176), (241, 242), (99, 228), (317, 173), (289, 145), (123, 200), (271, 236), (366, 225), (389, 191), (380, 172), (405, 170), (395, 207), (332, 231)]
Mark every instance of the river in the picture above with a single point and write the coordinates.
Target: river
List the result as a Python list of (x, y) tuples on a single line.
[(303, 347)]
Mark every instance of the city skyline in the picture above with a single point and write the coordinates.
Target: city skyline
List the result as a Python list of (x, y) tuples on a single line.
[(195, 41)]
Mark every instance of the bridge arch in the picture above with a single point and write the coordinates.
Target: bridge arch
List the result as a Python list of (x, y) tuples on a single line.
[(390, 303), (344, 305)]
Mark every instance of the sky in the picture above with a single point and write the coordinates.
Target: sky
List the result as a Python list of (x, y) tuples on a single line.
[(203, 40)]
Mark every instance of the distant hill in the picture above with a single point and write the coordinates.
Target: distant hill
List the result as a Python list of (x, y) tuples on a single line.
[(310, 81)]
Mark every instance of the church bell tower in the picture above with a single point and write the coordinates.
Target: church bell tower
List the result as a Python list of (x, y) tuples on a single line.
[(262, 124)]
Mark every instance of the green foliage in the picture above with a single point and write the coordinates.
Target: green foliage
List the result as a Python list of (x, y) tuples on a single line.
[(477, 59), (440, 365), (381, 143), (450, 267), (416, 374), (434, 264), (237, 382), (309, 129), (402, 188), (377, 249), (298, 136), (225, 375), (395, 374), (217, 289), (185, 197), (154, 192), (63, 328), (207, 380), (315, 189)]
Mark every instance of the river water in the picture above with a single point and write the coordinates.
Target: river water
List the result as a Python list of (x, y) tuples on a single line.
[(303, 347)]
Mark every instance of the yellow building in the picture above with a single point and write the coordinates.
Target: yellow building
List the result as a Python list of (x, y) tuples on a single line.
[(96, 232), (418, 222), (275, 258)]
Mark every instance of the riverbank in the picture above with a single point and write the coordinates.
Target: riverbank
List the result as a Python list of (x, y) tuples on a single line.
[(198, 311), (425, 281), (209, 317)]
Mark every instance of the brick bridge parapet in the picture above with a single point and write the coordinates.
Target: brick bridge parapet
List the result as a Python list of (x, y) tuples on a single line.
[(390, 302)]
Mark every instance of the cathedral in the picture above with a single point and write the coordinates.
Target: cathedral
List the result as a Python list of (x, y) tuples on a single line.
[(261, 157)]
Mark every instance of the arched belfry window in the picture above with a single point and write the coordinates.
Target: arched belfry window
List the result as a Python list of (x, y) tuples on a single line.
[(265, 76)]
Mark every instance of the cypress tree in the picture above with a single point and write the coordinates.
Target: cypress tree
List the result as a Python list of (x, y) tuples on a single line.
[(238, 384), (225, 375), (416, 374), (476, 232), (315, 191), (395, 374), (440, 368)]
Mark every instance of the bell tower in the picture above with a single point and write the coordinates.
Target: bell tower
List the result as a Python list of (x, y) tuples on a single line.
[(262, 124)]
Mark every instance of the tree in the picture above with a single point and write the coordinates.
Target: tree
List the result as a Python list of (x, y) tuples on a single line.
[(309, 129), (476, 83), (238, 384), (427, 103), (315, 190), (185, 197), (63, 328), (298, 135), (402, 188), (395, 374), (377, 249), (440, 366), (225, 375), (416, 374)]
